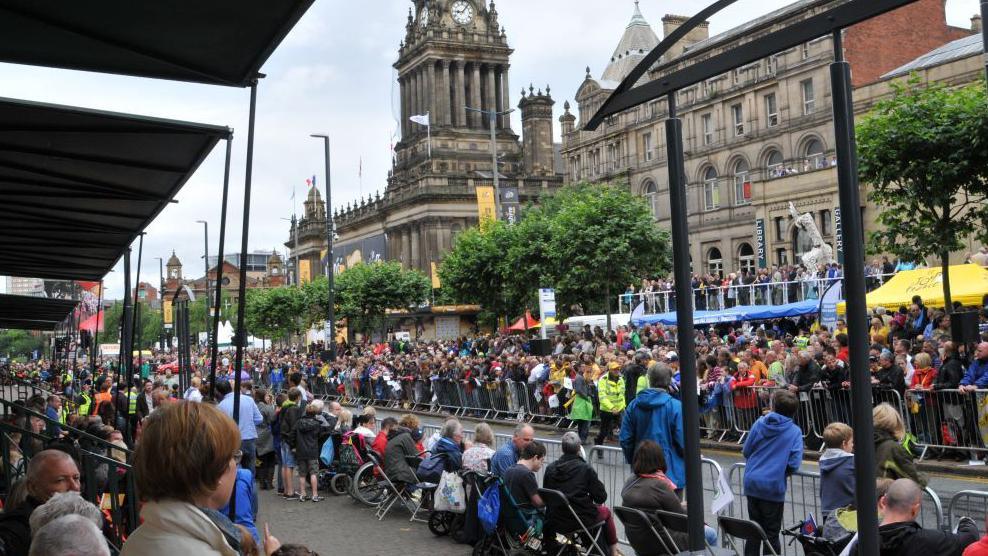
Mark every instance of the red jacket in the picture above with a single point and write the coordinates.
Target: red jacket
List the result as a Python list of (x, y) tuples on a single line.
[(979, 548)]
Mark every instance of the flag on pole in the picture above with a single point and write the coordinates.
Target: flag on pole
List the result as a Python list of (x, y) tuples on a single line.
[(360, 168), (637, 313), (313, 180), (421, 119)]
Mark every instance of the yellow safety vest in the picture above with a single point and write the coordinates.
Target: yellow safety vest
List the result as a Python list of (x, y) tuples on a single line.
[(642, 383), (611, 394), (132, 403), (87, 402)]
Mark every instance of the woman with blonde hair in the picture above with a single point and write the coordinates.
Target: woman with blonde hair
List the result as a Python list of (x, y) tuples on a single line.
[(186, 467), (893, 461)]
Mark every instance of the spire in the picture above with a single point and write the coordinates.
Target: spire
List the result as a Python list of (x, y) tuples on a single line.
[(638, 40)]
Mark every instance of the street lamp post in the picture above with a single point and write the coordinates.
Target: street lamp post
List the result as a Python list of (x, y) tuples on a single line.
[(161, 298), (331, 325), (205, 259), (492, 118)]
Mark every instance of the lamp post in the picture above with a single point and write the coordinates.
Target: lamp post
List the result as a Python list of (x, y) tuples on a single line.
[(205, 260), (161, 299), (331, 324), (492, 118)]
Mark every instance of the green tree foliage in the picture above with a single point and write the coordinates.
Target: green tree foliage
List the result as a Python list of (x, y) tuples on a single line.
[(588, 242), (364, 292), (20, 343), (924, 152), (274, 313)]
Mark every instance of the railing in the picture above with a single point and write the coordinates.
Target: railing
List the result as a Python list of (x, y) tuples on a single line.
[(969, 503), (718, 297)]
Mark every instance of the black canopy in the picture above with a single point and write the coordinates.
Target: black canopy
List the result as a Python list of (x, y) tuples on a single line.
[(33, 313), (77, 186), (220, 42)]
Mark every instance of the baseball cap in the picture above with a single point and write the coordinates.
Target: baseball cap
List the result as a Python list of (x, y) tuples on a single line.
[(672, 356)]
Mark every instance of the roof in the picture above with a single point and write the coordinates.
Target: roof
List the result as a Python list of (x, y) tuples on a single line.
[(173, 260), (220, 42), (954, 50), (33, 313), (638, 40), (77, 186), (748, 26)]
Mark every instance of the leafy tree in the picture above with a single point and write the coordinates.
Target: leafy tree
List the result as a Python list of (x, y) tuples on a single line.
[(924, 151), (273, 313), (364, 292), (20, 343), (587, 241)]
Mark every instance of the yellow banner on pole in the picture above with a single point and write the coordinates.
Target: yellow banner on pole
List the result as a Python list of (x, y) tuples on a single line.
[(166, 306), (436, 284), (304, 274), (485, 203)]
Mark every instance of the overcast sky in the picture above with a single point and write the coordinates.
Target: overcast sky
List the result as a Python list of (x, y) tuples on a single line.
[(333, 74)]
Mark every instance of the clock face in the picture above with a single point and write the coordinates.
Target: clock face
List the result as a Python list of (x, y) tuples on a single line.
[(462, 12), (424, 17)]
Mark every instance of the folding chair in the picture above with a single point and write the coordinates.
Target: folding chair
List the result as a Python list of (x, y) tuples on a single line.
[(638, 518), (427, 491), (745, 530), (678, 522), (555, 500), (393, 494)]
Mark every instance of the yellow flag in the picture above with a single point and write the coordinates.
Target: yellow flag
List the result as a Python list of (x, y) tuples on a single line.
[(436, 284), (485, 203), (167, 308), (303, 272)]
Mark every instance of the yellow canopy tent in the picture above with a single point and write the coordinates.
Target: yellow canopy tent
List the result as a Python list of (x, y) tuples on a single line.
[(968, 285)]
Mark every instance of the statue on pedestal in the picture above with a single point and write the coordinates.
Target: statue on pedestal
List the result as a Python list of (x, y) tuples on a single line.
[(821, 254)]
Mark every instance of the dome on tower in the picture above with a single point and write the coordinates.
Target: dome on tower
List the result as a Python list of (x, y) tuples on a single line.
[(314, 195), (173, 260)]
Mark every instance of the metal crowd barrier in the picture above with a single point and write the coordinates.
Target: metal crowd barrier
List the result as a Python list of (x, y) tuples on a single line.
[(970, 503), (946, 420), (803, 498)]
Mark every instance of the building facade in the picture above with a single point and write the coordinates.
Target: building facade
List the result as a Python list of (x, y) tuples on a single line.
[(273, 277), (755, 139), (452, 64)]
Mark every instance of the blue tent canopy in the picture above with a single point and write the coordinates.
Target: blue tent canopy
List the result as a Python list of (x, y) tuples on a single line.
[(734, 314)]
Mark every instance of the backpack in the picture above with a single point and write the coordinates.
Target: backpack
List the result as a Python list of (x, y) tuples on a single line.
[(351, 453), (431, 468), (489, 508)]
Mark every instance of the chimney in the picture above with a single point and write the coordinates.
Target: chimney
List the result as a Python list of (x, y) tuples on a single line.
[(672, 22), (976, 23)]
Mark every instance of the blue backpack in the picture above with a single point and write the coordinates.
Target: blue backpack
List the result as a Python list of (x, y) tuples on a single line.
[(489, 508), (431, 468)]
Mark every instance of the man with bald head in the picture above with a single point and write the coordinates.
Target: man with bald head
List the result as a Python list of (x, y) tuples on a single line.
[(48, 472), (901, 535)]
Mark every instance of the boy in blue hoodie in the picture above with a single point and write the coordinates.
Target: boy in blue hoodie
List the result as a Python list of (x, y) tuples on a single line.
[(836, 468), (773, 450)]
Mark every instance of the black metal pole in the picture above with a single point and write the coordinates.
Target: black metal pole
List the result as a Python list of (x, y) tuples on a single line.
[(125, 321), (161, 298), (205, 260), (854, 294), (984, 31), (241, 335), (137, 288), (331, 323), (684, 326), (219, 267), (99, 309)]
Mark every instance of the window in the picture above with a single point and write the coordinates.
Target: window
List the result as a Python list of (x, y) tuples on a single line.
[(647, 146), (781, 256), (742, 183), (575, 167), (809, 100), (737, 76), (770, 65), (595, 161), (708, 128), (801, 242), (737, 116), (711, 189), (805, 50), (612, 158), (652, 197), (715, 262), (814, 155), (746, 258), (771, 110), (780, 228), (774, 164), (826, 223)]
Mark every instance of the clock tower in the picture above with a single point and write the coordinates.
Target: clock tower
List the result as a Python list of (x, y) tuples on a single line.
[(455, 56)]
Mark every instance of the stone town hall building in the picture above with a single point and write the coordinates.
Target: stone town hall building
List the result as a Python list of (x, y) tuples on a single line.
[(455, 55)]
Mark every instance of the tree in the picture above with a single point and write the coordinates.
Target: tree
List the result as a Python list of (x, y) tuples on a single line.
[(587, 242), (20, 343), (273, 313), (924, 151), (364, 292)]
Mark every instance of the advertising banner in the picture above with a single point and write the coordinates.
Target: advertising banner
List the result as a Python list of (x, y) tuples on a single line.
[(838, 236), (510, 206), (760, 242), (485, 203)]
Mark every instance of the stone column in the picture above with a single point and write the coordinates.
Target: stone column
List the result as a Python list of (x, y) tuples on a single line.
[(476, 118), (415, 252), (403, 84), (443, 92), (406, 247), (491, 91), (505, 98), (459, 88), (413, 98), (431, 99)]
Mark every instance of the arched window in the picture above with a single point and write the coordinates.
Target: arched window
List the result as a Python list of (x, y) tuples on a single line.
[(715, 262), (711, 189), (774, 164), (814, 154), (651, 192), (746, 258), (742, 183)]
